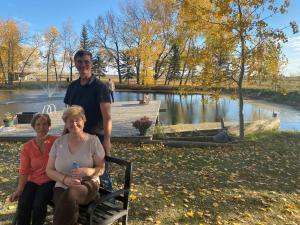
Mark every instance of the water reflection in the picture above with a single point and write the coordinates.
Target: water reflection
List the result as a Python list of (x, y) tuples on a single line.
[(179, 109)]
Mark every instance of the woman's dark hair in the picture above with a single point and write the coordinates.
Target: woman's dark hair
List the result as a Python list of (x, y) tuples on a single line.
[(80, 53), (39, 115)]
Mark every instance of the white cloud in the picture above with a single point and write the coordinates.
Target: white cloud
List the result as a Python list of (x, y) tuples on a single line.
[(291, 49), (294, 43), (22, 21)]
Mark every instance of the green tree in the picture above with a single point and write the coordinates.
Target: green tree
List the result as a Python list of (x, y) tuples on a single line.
[(174, 71), (126, 67), (85, 42), (99, 66)]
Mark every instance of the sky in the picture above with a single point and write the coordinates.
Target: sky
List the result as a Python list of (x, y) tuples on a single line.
[(39, 15)]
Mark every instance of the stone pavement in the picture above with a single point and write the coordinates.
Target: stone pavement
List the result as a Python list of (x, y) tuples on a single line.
[(123, 114)]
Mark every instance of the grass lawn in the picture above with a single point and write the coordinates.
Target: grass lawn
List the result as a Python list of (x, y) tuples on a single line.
[(257, 182)]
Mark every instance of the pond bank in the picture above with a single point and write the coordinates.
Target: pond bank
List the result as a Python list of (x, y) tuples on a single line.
[(290, 98), (208, 134), (214, 127)]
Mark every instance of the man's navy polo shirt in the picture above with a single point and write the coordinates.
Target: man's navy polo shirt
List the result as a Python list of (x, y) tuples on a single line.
[(89, 97)]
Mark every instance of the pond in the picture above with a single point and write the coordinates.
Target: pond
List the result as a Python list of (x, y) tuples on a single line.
[(193, 108)]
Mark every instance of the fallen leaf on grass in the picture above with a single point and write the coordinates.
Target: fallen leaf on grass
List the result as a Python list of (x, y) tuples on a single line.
[(215, 204), (200, 213), (280, 217), (11, 207), (190, 214), (291, 206), (132, 197), (149, 219)]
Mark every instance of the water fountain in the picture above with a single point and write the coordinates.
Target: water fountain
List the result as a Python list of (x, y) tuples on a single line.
[(26, 117), (50, 90)]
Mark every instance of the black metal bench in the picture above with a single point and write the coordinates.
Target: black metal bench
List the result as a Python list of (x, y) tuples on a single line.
[(102, 211)]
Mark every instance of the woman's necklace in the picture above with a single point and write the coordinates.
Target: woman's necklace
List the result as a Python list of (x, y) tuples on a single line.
[(40, 141)]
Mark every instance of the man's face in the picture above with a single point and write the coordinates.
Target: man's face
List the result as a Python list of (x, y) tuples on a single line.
[(84, 66)]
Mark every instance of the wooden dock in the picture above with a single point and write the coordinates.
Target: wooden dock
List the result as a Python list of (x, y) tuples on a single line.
[(123, 114)]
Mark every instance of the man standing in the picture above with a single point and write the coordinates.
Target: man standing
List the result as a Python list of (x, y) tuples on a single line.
[(93, 95), (111, 87)]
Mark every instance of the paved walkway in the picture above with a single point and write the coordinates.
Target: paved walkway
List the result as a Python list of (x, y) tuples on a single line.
[(123, 114)]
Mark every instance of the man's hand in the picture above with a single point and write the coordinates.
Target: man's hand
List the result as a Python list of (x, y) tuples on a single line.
[(107, 146), (107, 126)]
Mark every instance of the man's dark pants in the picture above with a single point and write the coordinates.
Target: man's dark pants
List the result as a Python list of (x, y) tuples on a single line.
[(105, 179)]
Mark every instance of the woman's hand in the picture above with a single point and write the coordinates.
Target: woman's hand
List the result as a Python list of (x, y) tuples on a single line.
[(78, 173), (71, 181), (15, 196), (81, 172)]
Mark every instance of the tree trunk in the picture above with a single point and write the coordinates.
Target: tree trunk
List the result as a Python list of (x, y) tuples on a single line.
[(241, 111), (27, 59), (184, 66), (10, 58), (47, 68), (137, 66), (118, 63), (187, 77), (3, 71), (63, 65), (167, 80), (159, 63), (71, 68), (240, 88), (241, 76), (182, 74), (54, 64)]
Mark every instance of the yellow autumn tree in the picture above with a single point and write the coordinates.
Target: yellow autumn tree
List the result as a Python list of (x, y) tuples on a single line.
[(215, 56), (163, 14), (147, 32), (51, 38), (187, 41), (148, 50), (10, 48), (245, 21), (266, 64)]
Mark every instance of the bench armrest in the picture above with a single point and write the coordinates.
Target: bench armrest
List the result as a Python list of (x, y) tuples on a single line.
[(92, 206)]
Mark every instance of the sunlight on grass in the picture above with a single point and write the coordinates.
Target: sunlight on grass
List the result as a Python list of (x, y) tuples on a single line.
[(256, 182)]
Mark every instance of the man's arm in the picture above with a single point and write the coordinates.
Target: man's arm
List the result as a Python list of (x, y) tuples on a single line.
[(107, 126)]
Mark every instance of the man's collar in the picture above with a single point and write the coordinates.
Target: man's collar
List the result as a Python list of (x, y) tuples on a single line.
[(91, 80)]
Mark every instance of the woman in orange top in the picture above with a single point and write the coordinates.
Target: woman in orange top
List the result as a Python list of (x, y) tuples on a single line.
[(34, 189)]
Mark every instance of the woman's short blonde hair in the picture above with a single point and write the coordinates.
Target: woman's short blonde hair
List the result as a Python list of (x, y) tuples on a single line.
[(40, 115), (72, 111)]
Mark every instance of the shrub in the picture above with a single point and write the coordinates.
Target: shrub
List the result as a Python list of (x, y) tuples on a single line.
[(142, 124), (8, 117)]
